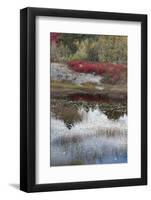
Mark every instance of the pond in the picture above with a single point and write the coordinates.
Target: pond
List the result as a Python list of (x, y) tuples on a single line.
[(88, 130)]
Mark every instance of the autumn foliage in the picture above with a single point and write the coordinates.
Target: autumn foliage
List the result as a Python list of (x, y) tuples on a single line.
[(89, 98), (54, 37), (114, 71)]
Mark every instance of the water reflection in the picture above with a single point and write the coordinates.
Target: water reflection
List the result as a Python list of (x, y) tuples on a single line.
[(88, 132), (69, 111)]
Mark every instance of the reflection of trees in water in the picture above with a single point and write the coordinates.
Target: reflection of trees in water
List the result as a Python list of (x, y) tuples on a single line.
[(114, 114), (68, 111)]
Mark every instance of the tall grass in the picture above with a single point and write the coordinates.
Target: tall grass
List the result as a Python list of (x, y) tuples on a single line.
[(104, 146)]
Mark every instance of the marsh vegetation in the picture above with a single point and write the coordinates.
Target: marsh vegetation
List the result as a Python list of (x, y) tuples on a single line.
[(88, 132), (88, 113)]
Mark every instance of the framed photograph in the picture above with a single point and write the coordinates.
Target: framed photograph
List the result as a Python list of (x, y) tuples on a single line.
[(83, 99)]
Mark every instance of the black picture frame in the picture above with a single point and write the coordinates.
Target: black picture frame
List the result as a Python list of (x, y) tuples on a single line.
[(28, 99)]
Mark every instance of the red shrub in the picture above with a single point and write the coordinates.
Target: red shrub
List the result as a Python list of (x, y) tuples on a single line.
[(54, 37), (112, 70), (89, 98)]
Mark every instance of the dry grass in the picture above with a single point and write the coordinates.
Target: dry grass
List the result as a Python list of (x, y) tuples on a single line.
[(69, 85), (101, 132), (63, 88)]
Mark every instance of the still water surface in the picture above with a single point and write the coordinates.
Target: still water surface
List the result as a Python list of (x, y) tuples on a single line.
[(87, 132)]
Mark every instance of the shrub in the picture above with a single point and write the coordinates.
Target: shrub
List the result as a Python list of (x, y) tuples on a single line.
[(109, 70), (54, 37), (95, 48)]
